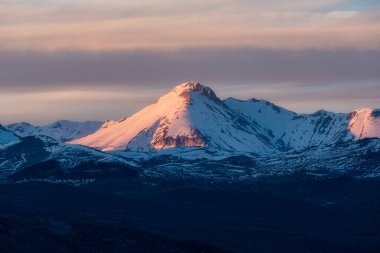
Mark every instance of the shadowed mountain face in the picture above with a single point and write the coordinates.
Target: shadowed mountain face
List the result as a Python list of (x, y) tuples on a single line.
[(192, 115), (45, 158), (7, 138)]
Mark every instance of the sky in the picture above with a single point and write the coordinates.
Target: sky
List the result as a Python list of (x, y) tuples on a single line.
[(106, 59)]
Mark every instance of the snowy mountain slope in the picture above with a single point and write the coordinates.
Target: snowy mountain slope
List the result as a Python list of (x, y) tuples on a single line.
[(188, 115), (44, 157), (365, 123), (63, 130), (294, 131), (358, 159), (7, 138)]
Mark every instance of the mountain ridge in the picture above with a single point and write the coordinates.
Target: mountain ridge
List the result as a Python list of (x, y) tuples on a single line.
[(61, 130), (191, 114)]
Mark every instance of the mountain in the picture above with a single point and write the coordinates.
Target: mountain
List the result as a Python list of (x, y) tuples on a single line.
[(7, 138), (188, 115), (63, 130), (192, 115)]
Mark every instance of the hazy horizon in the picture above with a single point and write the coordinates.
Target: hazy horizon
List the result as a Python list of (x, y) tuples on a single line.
[(120, 112)]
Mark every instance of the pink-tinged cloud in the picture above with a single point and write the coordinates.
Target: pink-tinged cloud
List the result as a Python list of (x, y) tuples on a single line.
[(126, 25)]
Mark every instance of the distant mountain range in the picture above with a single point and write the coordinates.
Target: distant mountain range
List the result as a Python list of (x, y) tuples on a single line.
[(62, 130), (191, 128)]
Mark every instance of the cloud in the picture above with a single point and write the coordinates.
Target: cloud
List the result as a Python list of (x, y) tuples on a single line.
[(126, 25), (142, 68)]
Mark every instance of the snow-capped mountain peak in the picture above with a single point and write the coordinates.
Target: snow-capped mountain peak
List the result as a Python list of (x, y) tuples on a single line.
[(188, 115), (185, 90)]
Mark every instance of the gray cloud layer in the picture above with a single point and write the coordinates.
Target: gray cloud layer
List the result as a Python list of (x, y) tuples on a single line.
[(62, 70), (97, 25)]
